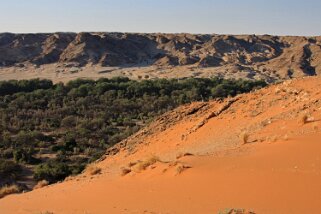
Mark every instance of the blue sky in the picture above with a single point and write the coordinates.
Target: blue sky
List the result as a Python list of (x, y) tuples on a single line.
[(277, 17)]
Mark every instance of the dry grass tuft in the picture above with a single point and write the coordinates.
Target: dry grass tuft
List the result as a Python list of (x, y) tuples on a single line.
[(142, 165), (7, 190), (125, 171), (180, 155), (244, 137), (304, 119), (181, 167), (274, 138), (174, 163), (70, 178), (93, 170), (131, 164), (235, 211), (41, 184)]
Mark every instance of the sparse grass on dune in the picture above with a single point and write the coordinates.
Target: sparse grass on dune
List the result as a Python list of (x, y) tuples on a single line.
[(131, 164), (7, 190), (138, 166), (93, 170), (235, 211), (125, 171), (142, 165), (184, 154), (181, 167), (244, 137), (41, 184), (304, 119)]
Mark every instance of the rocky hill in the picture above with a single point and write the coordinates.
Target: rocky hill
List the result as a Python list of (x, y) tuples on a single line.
[(246, 56)]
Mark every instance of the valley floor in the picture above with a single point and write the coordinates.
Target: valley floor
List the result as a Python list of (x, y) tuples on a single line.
[(59, 73)]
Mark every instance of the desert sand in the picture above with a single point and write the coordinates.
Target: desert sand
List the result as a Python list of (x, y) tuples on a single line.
[(56, 73), (197, 162)]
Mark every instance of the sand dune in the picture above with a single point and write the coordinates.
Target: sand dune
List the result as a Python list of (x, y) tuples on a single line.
[(192, 160)]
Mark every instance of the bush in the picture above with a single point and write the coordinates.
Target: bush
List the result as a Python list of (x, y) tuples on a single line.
[(7, 190), (41, 184), (9, 169), (244, 136), (22, 155), (304, 119), (69, 122), (92, 170), (52, 172)]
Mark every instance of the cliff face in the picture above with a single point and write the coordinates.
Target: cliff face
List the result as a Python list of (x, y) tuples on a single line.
[(284, 56)]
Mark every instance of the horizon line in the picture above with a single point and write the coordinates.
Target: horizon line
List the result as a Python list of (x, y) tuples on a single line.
[(191, 33)]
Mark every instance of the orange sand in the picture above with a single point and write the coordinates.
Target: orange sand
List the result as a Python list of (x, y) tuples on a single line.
[(278, 171)]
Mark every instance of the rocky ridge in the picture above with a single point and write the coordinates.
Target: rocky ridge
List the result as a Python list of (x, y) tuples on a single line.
[(269, 57)]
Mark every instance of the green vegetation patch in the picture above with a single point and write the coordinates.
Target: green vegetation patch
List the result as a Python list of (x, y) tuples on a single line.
[(55, 130)]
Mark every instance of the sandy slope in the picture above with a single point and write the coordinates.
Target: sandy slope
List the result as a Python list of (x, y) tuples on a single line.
[(277, 171)]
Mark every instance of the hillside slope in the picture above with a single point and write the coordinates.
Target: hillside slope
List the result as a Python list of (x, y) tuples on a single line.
[(192, 160), (62, 56)]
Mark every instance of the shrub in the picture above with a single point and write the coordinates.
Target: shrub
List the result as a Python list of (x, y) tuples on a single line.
[(7, 190), (235, 211), (22, 155), (181, 167), (125, 171), (93, 170), (9, 169), (41, 184), (7, 153), (181, 155), (244, 136), (52, 171), (304, 119), (69, 121), (142, 165)]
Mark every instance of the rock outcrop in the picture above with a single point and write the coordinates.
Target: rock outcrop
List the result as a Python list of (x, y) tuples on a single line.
[(278, 56)]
